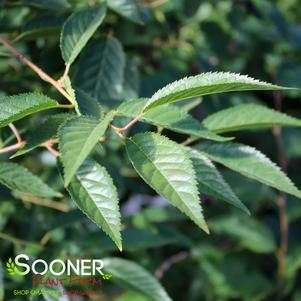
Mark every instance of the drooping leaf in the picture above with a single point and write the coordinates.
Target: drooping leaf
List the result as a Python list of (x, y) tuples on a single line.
[(211, 182), (168, 116), (101, 70), (78, 29), (16, 107), (129, 9), (47, 130), (166, 167), (93, 191), (77, 137), (249, 162), (205, 84), (250, 233), (16, 177), (48, 4), (248, 116), (132, 276)]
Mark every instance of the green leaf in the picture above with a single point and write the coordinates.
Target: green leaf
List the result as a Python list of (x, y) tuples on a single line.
[(249, 162), (132, 276), (16, 177), (48, 4), (205, 84), (211, 182), (16, 107), (168, 116), (189, 104), (101, 70), (47, 130), (78, 29), (88, 105), (248, 116), (166, 167), (43, 25), (130, 9), (131, 81), (250, 233), (93, 191), (77, 137)]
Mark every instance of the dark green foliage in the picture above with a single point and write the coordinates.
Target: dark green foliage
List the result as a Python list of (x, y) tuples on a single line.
[(148, 135)]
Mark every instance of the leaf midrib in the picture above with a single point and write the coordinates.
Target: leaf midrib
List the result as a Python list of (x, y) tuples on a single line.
[(149, 159), (91, 200)]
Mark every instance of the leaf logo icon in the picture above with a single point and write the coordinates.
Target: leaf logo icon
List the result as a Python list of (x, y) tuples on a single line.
[(11, 267)]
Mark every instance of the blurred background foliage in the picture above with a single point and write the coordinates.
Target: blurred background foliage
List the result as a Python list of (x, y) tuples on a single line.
[(164, 41)]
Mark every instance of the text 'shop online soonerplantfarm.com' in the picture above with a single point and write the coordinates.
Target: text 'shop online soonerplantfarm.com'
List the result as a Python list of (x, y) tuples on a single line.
[(138, 162)]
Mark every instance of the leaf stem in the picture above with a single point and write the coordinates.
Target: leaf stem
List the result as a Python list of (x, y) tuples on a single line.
[(12, 147), (49, 145), (130, 124), (190, 140), (20, 143), (61, 81), (44, 76), (120, 131), (16, 132)]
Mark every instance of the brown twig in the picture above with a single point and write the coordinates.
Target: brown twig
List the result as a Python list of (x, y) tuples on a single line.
[(17, 241), (49, 145), (130, 124), (44, 76), (16, 132), (61, 81), (120, 131), (44, 202), (281, 203), (20, 143), (169, 262), (12, 147)]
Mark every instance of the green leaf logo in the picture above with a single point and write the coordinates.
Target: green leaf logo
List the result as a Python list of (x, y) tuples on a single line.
[(106, 276), (11, 268)]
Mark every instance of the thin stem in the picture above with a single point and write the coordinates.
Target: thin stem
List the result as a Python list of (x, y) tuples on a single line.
[(130, 124), (12, 147), (49, 145), (120, 131), (44, 202), (16, 132), (17, 241), (190, 140), (169, 262), (281, 203), (61, 81), (44, 76)]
